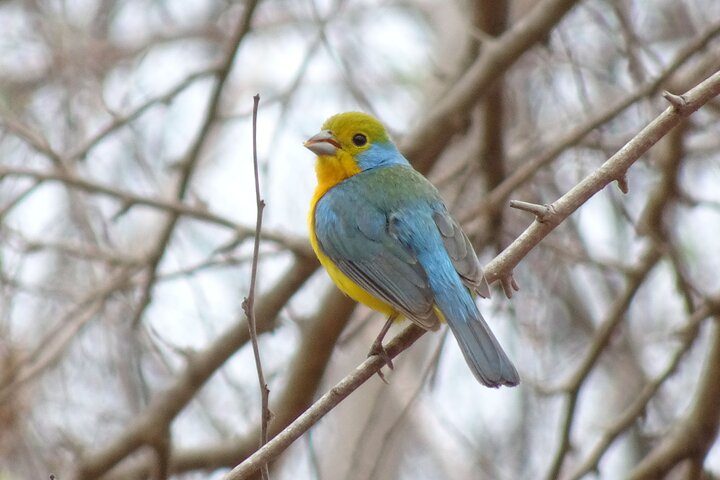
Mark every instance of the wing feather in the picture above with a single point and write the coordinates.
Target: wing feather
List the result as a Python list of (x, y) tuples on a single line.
[(360, 244), (461, 253)]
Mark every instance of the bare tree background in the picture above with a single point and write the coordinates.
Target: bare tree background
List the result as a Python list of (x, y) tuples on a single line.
[(127, 213)]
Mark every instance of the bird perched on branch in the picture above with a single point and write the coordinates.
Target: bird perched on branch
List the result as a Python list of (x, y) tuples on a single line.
[(387, 240)]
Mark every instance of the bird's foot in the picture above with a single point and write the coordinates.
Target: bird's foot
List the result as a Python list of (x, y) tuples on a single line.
[(378, 349)]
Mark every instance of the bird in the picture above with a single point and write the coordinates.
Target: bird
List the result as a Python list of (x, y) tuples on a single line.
[(387, 240)]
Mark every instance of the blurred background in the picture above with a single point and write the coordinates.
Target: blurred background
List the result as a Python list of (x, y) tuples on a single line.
[(127, 217)]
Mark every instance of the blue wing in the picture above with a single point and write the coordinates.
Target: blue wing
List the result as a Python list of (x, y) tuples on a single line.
[(358, 236)]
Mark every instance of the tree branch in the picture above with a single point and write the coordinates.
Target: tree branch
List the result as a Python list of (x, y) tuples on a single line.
[(192, 157), (611, 170), (324, 404), (598, 345), (639, 404), (526, 169)]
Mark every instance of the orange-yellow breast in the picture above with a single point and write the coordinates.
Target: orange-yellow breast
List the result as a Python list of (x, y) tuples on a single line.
[(331, 171)]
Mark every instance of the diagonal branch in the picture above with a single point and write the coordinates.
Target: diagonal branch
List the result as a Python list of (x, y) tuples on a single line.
[(613, 169), (526, 169), (635, 409), (327, 402), (599, 344)]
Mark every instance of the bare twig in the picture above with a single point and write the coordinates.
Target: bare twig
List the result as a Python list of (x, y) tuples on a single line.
[(249, 302), (677, 101), (540, 211)]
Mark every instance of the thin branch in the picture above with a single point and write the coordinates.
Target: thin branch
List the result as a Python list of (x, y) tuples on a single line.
[(18, 198), (119, 122), (249, 302), (440, 123), (526, 169), (54, 344), (33, 139), (677, 101), (540, 211)]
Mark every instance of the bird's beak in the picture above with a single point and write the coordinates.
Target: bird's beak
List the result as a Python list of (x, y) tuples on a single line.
[(323, 143)]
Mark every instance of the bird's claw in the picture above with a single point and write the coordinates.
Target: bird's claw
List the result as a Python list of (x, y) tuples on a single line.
[(377, 349)]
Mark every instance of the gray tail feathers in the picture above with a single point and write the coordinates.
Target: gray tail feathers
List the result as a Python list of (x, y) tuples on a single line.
[(482, 352)]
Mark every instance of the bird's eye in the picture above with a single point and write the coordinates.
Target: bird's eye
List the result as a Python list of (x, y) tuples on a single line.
[(359, 139)]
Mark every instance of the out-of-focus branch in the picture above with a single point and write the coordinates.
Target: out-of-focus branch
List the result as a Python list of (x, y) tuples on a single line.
[(120, 122), (526, 169), (441, 123), (693, 436), (598, 345), (296, 244), (51, 346), (638, 406), (187, 166), (36, 141), (669, 149), (492, 17)]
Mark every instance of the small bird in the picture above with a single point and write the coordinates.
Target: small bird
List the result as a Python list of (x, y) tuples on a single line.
[(386, 238)]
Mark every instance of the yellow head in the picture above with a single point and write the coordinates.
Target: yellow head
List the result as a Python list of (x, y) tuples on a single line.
[(350, 143), (351, 132)]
